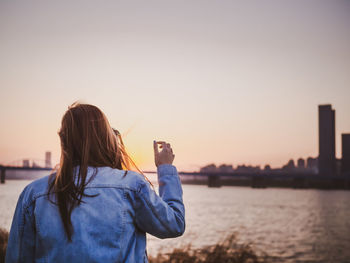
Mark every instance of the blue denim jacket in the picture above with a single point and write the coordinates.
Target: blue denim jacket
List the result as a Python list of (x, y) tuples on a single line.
[(110, 227)]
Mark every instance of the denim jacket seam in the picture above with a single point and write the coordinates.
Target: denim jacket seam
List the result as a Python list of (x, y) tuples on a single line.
[(31, 214), (31, 203), (21, 231), (35, 197), (111, 186), (123, 225)]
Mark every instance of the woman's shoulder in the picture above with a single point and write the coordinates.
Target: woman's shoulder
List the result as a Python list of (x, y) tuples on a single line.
[(134, 180), (118, 178), (35, 189)]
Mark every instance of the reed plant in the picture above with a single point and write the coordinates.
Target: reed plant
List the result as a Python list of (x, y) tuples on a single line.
[(4, 235), (227, 251)]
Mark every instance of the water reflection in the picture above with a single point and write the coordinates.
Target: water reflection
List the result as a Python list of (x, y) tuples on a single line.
[(288, 224)]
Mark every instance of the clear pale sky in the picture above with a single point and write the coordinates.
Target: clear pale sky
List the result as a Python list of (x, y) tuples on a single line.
[(223, 81)]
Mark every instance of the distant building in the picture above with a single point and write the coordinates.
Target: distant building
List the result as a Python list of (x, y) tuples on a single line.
[(48, 160), (289, 167), (326, 130), (301, 163), (267, 167), (25, 163), (247, 169), (224, 168), (338, 166), (211, 168), (345, 161), (312, 164)]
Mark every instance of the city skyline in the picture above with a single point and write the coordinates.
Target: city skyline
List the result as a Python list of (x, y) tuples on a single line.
[(325, 164), (224, 82)]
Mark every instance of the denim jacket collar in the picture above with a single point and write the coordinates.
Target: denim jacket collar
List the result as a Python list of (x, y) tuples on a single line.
[(91, 172)]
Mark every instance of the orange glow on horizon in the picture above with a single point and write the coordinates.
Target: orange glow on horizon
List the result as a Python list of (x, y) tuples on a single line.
[(224, 82)]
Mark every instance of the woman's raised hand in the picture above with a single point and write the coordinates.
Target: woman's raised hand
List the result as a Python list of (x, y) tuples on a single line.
[(165, 156)]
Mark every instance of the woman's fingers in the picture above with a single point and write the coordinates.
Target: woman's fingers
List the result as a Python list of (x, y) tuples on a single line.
[(155, 147), (163, 145), (166, 155), (168, 149)]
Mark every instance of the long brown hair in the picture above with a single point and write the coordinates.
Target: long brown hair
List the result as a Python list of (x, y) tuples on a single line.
[(87, 139)]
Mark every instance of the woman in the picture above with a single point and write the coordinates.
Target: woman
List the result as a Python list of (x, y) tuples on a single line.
[(94, 209)]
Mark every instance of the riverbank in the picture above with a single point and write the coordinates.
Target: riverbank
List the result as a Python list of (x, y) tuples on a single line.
[(228, 250)]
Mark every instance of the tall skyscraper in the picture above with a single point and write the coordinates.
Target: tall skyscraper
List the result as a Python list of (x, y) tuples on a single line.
[(25, 163), (345, 160), (326, 131), (48, 159), (301, 163)]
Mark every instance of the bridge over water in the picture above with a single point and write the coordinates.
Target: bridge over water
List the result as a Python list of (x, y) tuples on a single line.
[(295, 180), (255, 180), (27, 164)]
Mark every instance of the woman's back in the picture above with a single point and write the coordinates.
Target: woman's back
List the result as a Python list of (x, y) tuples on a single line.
[(92, 210), (109, 227)]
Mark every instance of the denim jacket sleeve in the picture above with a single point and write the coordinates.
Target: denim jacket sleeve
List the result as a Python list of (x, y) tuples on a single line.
[(21, 243), (161, 215)]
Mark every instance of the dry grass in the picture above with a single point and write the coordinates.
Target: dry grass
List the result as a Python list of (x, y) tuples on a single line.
[(4, 235), (227, 251)]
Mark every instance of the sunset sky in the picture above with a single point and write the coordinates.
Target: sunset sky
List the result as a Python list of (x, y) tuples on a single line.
[(223, 81)]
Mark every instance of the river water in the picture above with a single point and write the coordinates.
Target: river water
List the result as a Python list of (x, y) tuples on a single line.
[(290, 225)]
